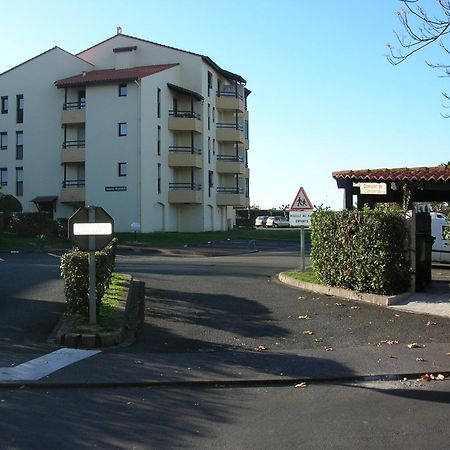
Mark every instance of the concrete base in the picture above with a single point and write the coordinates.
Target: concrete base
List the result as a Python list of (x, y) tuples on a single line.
[(383, 300)]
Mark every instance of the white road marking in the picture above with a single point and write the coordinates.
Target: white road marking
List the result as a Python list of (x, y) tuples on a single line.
[(1, 259), (38, 368), (52, 254)]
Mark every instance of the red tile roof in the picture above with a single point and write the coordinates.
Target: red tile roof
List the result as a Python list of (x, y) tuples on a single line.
[(112, 75), (438, 173)]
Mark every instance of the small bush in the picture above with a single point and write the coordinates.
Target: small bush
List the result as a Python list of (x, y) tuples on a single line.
[(9, 203), (75, 271), (361, 250), (32, 224)]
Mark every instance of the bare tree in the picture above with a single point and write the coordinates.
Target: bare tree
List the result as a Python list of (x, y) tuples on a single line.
[(420, 29)]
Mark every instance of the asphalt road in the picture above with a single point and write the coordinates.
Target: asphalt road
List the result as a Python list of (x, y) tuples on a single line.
[(31, 302)]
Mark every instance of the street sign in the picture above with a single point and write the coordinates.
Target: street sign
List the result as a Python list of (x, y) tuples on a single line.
[(300, 218), (373, 188), (81, 227), (301, 202)]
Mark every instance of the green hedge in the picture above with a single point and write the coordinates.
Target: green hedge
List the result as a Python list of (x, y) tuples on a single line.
[(75, 271), (361, 250), (32, 224)]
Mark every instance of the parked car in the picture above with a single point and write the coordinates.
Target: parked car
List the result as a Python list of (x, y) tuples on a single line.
[(441, 247), (277, 221), (260, 221)]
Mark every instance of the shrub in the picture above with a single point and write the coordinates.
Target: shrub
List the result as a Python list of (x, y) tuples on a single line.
[(9, 203), (75, 271), (32, 224), (361, 250)]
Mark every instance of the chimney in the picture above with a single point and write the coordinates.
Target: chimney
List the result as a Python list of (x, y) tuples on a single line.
[(119, 30)]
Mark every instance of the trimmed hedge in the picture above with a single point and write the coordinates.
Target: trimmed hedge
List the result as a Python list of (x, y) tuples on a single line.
[(9, 203), (32, 224), (361, 250), (75, 271)]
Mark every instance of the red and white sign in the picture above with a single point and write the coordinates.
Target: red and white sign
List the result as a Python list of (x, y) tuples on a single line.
[(301, 202)]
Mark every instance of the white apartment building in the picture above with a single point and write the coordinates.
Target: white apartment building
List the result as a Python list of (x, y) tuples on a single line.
[(153, 134)]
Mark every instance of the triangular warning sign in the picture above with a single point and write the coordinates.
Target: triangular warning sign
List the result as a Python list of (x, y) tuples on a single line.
[(301, 202)]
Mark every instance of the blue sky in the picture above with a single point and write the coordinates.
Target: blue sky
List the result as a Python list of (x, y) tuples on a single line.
[(324, 97)]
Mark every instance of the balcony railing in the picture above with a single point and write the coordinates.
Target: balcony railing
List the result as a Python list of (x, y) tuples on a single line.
[(74, 144), (235, 91), (73, 183), (230, 126), (74, 105), (184, 114), (186, 186), (231, 158), (185, 149), (229, 190)]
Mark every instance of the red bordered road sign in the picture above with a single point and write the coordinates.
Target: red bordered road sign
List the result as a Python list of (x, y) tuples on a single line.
[(301, 202)]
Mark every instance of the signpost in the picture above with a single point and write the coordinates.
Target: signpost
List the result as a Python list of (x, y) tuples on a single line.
[(91, 228), (300, 215)]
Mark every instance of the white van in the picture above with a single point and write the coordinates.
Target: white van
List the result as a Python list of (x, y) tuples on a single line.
[(441, 247)]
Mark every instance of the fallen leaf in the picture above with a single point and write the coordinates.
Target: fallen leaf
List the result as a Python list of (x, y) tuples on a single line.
[(397, 315), (308, 332), (425, 377), (301, 297), (389, 342), (440, 377), (415, 345), (328, 348), (261, 348), (318, 340), (305, 317), (301, 385), (340, 304), (429, 323), (138, 362), (420, 359), (355, 307)]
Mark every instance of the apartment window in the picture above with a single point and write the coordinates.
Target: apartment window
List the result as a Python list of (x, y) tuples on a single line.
[(246, 129), (209, 116), (214, 146), (210, 82), (210, 182), (5, 104), (19, 145), (159, 178), (123, 129), (19, 109), (19, 181), (158, 147), (209, 150), (214, 114), (158, 103), (123, 90), (3, 176), (3, 140), (122, 166)]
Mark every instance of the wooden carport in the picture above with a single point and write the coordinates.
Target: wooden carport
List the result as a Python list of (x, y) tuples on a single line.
[(416, 184)]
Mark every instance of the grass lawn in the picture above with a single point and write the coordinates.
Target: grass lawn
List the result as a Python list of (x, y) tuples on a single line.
[(309, 277), (9, 241), (106, 318)]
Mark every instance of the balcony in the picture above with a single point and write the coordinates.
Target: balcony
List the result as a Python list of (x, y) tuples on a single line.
[(231, 98), (181, 121), (74, 113), (230, 164), (180, 156), (232, 197), (185, 193), (230, 132), (73, 191)]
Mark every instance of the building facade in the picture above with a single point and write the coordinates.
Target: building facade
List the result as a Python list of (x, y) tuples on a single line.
[(155, 135)]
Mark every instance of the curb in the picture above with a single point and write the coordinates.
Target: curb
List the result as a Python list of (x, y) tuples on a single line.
[(129, 319), (382, 300)]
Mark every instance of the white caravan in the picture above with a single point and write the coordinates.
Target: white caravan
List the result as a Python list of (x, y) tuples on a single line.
[(441, 247)]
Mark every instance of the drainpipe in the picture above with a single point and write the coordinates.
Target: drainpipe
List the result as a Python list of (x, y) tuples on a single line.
[(139, 151)]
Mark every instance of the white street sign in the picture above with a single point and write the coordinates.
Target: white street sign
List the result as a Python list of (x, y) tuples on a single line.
[(300, 218), (92, 229), (373, 188)]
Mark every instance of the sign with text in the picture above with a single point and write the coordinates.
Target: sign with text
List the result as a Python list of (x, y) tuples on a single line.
[(300, 218), (373, 188), (92, 229)]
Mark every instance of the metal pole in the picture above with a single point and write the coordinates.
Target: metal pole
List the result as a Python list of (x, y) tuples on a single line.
[(302, 249), (92, 275)]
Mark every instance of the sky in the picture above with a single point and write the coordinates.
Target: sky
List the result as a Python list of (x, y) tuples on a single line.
[(324, 97)]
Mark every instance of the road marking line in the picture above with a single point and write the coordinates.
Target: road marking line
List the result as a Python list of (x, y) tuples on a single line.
[(1, 259), (52, 254), (38, 368)]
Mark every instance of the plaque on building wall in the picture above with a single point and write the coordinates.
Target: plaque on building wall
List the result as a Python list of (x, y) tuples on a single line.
[(115, 188)]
